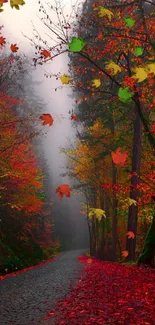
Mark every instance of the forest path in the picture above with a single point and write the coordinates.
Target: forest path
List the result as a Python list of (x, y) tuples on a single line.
[(26, 298)]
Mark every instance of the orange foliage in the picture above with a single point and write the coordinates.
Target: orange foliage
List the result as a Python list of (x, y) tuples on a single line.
[(63, 190)]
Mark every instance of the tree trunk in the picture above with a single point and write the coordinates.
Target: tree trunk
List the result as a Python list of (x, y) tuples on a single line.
[(134, 193), (114, 214), (148, 253)]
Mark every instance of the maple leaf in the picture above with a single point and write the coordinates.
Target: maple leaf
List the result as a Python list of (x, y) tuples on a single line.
[(63, 190), (131, 201), (74, 117), (104, 12), (125, 253), (100, 36), (14, 48), (96, 83), (99, 213), (65, 79), (124, 94), (141, 74), (138, 51), (114, 67), (76, 45), (130, 234), (45, 53), (129, 22), (89, 261), (16, 3), (118, 157), (47, 119), (2, 40), (151, 68)]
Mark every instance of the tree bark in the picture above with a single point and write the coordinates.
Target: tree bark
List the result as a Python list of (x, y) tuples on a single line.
[(148, 253), (134, 193), (114, 214)]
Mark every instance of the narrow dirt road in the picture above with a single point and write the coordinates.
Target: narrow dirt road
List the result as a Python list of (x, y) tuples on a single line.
[(25, 298)]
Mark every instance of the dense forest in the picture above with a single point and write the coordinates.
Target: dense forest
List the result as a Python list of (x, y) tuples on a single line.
[(111, 70)]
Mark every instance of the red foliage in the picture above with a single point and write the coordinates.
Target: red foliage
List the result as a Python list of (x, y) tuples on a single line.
[(109, 294)]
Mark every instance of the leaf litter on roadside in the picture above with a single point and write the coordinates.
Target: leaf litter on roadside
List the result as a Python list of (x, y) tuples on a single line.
[(108, 294)]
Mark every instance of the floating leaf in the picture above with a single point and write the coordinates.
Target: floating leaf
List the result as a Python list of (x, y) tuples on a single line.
[(125, 253), (129, 22), (96, 83), (141, 74), (104, 12), (74, 117), (16, 3), (47, 119), (118, 157), (125, 94), (45, 53), (99, 213), (76, 45), (14, 48), (131, 201), (2, 40), (65, 79), (63, 190), (138, 51), (151, 68), (113, 67), (130, 234), (89, 261)]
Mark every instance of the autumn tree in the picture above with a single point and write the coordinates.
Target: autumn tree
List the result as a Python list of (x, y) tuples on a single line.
[(137, 48)]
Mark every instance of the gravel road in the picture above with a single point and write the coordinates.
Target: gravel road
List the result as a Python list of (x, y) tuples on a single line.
[(26, 298)]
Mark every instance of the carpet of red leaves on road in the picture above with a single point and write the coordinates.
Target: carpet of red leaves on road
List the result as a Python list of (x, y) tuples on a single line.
[(108, 294), (2, 277)]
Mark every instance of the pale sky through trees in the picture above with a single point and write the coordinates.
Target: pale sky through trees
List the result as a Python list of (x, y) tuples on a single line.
[(17, 22)]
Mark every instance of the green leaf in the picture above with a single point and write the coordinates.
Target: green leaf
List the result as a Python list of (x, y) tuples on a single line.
[(129, 22), (138, 51), (76, 45), (124, 94)]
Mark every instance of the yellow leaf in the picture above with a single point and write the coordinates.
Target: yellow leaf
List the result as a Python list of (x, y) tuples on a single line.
[(131, 201), (96, 82), (151, 68), (141, 74), (65, 79), (16, 3), (113, 67), (99, 213), (104, 12)]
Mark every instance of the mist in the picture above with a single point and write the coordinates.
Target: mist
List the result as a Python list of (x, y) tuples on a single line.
[(70, 225)]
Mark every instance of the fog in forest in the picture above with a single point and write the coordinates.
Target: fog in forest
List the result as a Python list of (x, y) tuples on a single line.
[(70, 224)]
